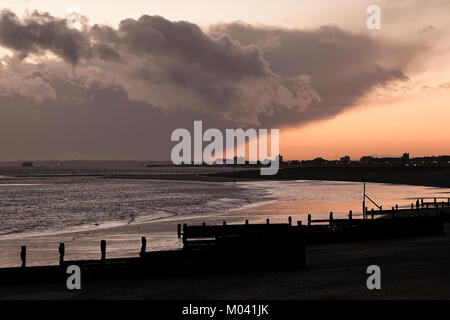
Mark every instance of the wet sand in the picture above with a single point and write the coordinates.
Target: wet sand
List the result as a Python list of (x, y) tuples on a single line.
[(122, 241)]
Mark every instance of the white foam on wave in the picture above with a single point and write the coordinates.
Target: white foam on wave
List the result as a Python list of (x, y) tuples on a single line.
[(19, 184)]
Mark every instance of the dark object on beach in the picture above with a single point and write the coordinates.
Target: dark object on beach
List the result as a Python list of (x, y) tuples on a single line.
[(23, 256), (389, 227), (249, 246), (27, 164), (179, 231), (143, 247), (103, 249), (61, 250)]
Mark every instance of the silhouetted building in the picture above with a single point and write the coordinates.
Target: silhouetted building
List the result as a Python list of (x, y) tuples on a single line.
[(345, 160), (367, 160), (430, 161), (319, 161)]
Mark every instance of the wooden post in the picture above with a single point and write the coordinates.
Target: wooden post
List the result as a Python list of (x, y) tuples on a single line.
[(267, 221), (184, 227), (290, 221), (23, 256), (364, 201), (299, 225), (61, 250), (309, 219), (246, 222), (435, 202), (144, 246), (331, 219), (103, 249), (381, 208), (396, 207), (350, 215), (179, 230), (393, 212), (372, 212)]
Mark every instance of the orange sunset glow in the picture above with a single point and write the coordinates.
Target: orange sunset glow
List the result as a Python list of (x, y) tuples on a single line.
[(417, 124)]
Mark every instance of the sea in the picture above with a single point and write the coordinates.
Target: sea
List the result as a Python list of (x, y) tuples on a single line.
[(53, 197)]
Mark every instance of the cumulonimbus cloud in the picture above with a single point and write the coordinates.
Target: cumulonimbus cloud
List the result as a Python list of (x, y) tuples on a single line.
[(344, 66), (240, 73)]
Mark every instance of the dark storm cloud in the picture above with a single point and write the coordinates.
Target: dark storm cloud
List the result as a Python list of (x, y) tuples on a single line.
[(344, 66), (170, 65), (41, 31), (237, 72), (187, 42), (38, 32), (116, 91)]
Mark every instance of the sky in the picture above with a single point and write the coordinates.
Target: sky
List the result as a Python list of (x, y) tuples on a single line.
[(134, 71)]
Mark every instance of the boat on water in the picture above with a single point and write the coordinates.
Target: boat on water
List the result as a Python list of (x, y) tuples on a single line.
[(27, 164)]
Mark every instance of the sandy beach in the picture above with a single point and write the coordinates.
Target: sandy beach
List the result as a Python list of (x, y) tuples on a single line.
[(123, 240), (413, 268)]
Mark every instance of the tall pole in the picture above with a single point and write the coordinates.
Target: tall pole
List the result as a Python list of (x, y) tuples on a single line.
[(364, 201)]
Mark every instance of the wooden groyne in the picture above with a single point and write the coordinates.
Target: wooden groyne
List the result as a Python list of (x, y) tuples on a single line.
[(248, 246), (422, 218), (205, 249), (231, 247)]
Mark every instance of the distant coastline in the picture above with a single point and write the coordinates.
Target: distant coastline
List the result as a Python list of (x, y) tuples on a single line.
[(430, 176)]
